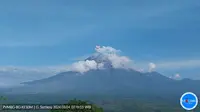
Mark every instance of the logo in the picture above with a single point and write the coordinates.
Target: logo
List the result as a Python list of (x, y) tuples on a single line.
[(189, 101)]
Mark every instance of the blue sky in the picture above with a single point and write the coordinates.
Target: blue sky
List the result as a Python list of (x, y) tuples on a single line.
[(54, 32)]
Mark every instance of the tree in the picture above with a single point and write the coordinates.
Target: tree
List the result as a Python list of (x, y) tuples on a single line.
[(94, 108)]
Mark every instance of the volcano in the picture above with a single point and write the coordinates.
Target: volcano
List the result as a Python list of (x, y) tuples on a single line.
[(110, 82), (112, 78)]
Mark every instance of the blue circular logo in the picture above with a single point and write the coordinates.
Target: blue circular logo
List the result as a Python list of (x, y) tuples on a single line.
[(189, 101)]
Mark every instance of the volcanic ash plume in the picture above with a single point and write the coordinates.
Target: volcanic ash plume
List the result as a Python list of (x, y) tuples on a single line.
[(104, 57)]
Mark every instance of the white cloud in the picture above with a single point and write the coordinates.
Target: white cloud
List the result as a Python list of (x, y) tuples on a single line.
[(152, 66), (106, 50), (84, 66), (119, 61), (177, 76)]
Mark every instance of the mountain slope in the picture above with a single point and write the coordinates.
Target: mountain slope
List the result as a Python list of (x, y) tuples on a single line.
[(109, 81)]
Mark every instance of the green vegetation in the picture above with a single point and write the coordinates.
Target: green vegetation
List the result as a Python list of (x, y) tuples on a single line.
[(94, 108), (3, 98)]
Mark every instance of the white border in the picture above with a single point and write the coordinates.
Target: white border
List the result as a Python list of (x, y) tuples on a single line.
[(195, 98)]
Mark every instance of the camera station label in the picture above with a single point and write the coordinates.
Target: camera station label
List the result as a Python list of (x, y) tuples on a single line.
[(44, 107)]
